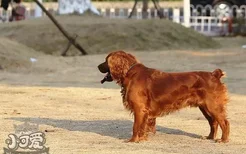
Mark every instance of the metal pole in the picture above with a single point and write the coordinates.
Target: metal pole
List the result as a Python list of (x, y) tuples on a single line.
[(64, 32)]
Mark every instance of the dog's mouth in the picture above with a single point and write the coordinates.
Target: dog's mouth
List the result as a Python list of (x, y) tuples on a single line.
[(107, 77), (103, 68)]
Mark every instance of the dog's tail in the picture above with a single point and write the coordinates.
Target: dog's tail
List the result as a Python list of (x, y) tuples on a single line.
[(218, 73)]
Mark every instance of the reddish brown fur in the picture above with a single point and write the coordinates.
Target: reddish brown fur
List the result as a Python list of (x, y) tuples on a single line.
[(149, 93)]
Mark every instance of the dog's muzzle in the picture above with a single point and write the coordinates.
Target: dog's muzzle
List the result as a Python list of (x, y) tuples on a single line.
[(103, 68)]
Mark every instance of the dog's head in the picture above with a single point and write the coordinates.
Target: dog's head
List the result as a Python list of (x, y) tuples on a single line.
[(116, 66)]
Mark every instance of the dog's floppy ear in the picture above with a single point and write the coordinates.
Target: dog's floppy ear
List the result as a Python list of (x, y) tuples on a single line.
[(119, 63)]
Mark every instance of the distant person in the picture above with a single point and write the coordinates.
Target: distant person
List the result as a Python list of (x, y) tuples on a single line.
[(18, 11)]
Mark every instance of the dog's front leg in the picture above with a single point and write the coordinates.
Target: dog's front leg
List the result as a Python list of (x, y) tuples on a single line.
[(151, 125), (139, 127)]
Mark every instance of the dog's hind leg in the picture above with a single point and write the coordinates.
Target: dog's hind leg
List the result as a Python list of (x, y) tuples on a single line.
[(217, 110), (212, 122), (225, 127)]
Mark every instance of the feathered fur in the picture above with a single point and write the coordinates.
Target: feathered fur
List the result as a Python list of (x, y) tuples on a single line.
[(149, 93)]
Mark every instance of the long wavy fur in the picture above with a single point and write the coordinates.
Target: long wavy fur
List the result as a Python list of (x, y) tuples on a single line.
[(119, 63)]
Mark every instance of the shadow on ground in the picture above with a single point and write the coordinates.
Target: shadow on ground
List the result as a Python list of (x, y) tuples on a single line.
[(113, 128)]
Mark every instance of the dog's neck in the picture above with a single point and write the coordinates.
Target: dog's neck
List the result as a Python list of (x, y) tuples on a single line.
[(124, 83), (131, 67), (121, 82)]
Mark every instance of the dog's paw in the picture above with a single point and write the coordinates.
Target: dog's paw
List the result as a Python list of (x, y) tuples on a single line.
[(207, 138), (136, 140), (143, 138), (204, 137), (221, 140)]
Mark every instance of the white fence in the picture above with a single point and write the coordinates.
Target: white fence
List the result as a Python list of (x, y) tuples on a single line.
[(203, 18)]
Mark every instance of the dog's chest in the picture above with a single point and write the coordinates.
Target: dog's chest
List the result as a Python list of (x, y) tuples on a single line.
[(126, 103)]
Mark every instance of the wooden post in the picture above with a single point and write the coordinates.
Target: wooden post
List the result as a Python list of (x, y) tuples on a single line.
[(134, 6), (157, 7), (64, 32), (145, 4), (176, 15), (144, 9), (38, 11), (187, 13), (64, 53)]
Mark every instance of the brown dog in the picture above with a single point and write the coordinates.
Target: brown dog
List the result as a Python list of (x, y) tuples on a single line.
[(149, 93)]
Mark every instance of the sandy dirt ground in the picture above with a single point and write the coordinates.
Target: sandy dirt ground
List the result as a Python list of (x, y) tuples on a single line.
[(64, 96)]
